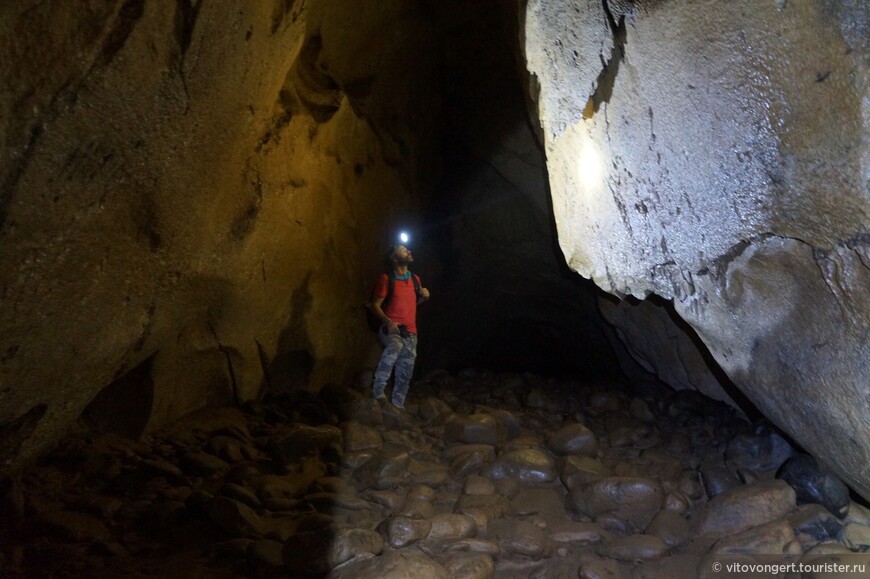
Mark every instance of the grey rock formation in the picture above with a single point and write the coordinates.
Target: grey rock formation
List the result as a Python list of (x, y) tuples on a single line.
[(716, 154)]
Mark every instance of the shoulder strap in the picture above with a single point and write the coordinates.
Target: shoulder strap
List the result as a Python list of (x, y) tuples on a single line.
[(416, 283)]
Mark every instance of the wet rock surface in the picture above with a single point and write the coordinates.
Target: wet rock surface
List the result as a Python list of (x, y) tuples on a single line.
[(483, 475)]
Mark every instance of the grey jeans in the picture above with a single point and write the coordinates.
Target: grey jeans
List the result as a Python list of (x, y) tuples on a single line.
[(399, 354)]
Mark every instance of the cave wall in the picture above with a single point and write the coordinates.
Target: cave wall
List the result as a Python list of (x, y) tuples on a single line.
[(193, 200), (717, 155)]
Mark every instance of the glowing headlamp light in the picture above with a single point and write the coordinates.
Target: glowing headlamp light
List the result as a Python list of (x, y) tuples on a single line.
[(403, 237)]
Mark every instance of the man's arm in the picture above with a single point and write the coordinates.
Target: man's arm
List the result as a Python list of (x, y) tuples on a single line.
[(422, 296), (391, 327)]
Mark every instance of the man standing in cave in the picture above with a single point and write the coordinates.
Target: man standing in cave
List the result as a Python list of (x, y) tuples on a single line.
[(397, 294)]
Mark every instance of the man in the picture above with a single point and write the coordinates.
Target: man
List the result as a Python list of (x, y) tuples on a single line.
[(398, 318)]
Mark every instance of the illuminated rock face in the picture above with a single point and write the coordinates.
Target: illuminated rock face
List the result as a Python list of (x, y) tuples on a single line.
[(193, 201), (721, 160)]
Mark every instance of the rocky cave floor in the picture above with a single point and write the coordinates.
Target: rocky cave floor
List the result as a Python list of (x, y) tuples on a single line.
[(483, 475)]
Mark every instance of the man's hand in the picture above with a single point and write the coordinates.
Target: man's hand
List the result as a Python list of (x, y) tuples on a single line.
[(392, 327), (423, 295)]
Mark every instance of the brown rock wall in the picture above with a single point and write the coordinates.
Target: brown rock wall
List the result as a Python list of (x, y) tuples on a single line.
[(189, 184)]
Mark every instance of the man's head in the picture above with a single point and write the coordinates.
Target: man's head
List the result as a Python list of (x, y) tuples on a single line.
[(400, 255)]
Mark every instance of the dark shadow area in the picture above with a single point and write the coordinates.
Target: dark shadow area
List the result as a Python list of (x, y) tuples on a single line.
[(503, 297), (124, 406)]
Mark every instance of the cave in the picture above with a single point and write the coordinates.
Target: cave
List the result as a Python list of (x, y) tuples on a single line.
[(645, 228)]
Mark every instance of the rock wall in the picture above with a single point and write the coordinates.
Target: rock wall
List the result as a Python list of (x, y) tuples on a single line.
[(717, 154), (193, 195)]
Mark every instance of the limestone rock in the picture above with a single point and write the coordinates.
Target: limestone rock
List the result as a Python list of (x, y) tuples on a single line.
[(233, 518), (573, 439), (744, 507), (402, 531), (633, 548), (634, 499), (815, 484), (470, 566), (392, 565)]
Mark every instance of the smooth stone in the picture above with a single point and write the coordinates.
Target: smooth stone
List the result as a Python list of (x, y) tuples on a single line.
[(473, 546), (858, 514), (856, 537), (605, 402), (452, 526), (517, 537), (478, 485), (470, 566), (624, 430), (231, 449), (487, 507), (761, 450), (402, 531), (303, 440), (770, 539), (418, 509), (358, 436), (486, 451), (596, 567), (633, 548), (475, 429), (162, 467), (717, 478), (466, 464), (508, 488), (578, 470), (233, 518), (390, 500), (433, 410), (676, 502), (814, 524), (392, 565), (613, 524), (325, 502), (421, 492), (272, 486), (669, 527), (573, 438), (381, 470), (348, 544), (636, 500), (267, 553), (547, 502), (432, 477), (576, 532), (528, 466), (639, 409), (241, 494), (744, 507), (203, 463), (813, 483), (508, 420)]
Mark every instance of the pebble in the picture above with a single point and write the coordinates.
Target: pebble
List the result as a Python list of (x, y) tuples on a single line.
[(468, 482), (744, 507), (813, 483)]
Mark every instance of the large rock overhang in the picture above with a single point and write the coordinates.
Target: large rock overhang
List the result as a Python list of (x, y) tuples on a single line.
[(717, 154)]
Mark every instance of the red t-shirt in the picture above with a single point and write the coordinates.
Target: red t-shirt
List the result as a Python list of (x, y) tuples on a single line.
[(402, 305)]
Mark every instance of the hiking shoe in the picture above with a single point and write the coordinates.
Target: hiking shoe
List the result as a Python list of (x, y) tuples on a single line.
[(381, 398)]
